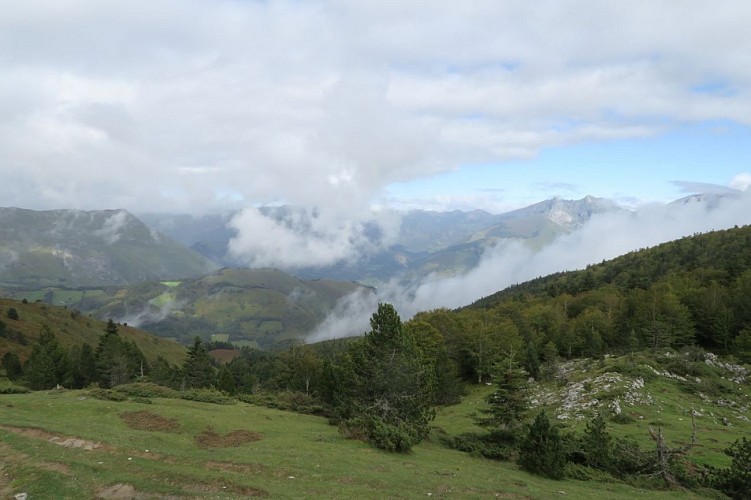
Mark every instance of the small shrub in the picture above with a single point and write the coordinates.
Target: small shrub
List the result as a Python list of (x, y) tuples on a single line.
[(147, 390), (207, 396), (634, 370), (622, 418), (299, 402), (583, 473), (107, 395), (13, 314), (13, 389), (142, 400), (482, 445), (372, 429)]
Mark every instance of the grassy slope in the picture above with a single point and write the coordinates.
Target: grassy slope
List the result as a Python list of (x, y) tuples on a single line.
[(298, 456), (71, 330), (266, 306)]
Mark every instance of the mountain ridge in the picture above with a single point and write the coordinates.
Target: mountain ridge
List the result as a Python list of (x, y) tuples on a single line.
[(66, 247)]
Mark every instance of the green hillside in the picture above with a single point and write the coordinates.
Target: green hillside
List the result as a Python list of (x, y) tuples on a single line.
[(71, 329), (71, 248), (719, 256), (255, 307)]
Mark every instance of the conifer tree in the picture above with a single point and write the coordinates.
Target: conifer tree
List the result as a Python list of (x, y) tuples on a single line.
[(597, 444), (198, 371), (541, 452), (225, 381), (385, 385), (47, 365), (117, 360), (507, 406)]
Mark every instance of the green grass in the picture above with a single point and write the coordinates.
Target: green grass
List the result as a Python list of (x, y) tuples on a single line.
[(297, 456), (171, 284)]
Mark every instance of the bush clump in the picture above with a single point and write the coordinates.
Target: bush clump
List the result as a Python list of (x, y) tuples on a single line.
[(374, 430), (13, 389), (107, 395), (483, 445), (147, 390), (207, 396)]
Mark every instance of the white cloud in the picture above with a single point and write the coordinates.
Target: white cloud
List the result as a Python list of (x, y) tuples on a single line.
[(604, 237), (741, 181), (293, 238), (164, 106)]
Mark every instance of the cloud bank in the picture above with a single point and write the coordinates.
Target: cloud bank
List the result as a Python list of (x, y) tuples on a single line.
[(185, 106), (603, 237)]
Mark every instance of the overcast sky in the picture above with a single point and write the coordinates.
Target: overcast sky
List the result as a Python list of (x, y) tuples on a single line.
[(184, 105)]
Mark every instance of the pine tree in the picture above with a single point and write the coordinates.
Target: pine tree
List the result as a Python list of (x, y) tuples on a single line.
[(198, 371), (117, 360), (541, 452), (507, 406), (47, 365), (83, 366), (597, 444), (385, 385), (225, 381), (735, 481)]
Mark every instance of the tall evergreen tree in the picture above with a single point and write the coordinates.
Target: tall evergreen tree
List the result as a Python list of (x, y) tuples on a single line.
[(47, 365), (386, 385), (198, 371), (507, 406), (225, 381), (597, 444), (83, 365), (117, 360)]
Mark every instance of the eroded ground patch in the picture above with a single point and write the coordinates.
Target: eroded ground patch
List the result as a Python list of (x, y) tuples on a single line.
[(210, 439), (146, 421)]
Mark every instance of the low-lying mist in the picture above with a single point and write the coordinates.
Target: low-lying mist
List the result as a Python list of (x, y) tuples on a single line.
[(603, 237)]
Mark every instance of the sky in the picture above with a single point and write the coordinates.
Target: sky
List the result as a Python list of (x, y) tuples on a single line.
[(194, 106)]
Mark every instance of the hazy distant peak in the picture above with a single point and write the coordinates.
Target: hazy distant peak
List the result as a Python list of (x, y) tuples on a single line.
[(709, 199), (565, 212)]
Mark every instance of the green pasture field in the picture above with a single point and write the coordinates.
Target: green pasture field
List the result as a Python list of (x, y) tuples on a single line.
[(289, 456)]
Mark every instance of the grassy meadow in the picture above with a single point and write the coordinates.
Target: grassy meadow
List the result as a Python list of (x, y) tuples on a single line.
[(67, 444)]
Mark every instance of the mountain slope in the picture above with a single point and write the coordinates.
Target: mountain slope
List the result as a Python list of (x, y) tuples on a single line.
[(75, 248), (72, 328), (719, 256), (257, 307)]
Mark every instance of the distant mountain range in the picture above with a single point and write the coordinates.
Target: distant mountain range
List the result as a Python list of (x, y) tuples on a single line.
[(162, 273), (428, 242), (74, 248)]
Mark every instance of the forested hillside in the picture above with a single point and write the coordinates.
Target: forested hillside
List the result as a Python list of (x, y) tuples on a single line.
[(696, 290)]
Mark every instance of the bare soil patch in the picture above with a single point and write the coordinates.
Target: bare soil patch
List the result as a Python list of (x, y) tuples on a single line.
[(64, 441), (210, 439), (120, 490), (146, 421), (227, 487)]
